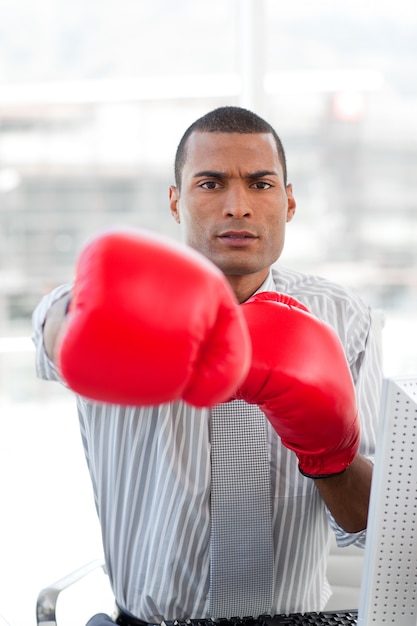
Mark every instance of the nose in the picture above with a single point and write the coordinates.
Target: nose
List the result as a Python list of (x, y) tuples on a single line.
[(237, 203)]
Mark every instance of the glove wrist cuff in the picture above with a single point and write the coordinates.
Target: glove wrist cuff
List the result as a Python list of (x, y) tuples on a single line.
[(320, 476)]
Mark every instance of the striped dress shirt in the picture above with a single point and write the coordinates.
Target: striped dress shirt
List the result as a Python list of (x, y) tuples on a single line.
[(150, 470)]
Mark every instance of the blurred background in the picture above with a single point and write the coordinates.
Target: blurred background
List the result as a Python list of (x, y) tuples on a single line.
[(94, 97)]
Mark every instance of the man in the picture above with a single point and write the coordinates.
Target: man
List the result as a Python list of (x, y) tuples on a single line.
[(151, 465)]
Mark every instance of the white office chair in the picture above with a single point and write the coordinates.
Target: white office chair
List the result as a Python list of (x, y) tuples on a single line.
[(47, 600)]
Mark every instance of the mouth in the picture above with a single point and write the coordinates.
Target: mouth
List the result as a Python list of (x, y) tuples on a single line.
[(237, 234), (237, 238)]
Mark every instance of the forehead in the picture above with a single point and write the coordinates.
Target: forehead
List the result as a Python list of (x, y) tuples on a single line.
[(224, 151)]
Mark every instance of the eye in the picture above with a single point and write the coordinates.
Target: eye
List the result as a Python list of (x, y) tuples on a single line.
[(210, 184), (261, 184)]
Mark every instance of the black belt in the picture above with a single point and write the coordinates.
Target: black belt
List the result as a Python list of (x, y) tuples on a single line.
[(125, 619)]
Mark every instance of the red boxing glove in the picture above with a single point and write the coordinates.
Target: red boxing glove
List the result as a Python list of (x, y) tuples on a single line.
[(301, 380), (151, 321)]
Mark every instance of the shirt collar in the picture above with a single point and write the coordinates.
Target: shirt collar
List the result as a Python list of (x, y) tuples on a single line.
[(267, 285)]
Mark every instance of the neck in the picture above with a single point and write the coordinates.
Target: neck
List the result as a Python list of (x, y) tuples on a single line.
[(244, 286)]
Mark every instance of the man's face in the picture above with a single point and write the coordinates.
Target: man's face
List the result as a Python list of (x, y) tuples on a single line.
[(233, 205)]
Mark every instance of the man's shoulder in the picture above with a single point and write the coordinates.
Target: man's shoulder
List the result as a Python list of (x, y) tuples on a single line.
[(295, 279), (317, 292)]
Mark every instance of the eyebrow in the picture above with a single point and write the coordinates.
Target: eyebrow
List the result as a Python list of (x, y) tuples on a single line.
[(209, 174), (262, 173), (220, 175)]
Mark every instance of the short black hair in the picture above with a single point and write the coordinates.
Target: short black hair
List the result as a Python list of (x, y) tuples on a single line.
[(228, 119)]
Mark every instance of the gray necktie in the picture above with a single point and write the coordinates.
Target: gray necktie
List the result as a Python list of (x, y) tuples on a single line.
[(241, 528)]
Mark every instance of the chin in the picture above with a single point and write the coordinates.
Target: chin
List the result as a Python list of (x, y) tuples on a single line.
[(238, 270)]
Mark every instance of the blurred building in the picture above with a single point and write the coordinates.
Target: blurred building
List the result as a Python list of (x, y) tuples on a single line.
[(71, 165)]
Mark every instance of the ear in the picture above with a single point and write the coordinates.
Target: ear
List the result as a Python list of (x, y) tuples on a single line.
[(174, 197), (291, 203)]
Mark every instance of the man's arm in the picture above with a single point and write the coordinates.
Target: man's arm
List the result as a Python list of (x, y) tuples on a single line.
[(53, 323), (303, 384), (346, 495)]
